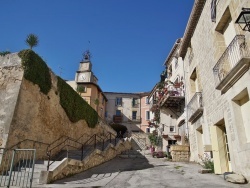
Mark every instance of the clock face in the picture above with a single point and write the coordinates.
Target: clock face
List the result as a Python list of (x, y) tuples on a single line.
[(82, 77)]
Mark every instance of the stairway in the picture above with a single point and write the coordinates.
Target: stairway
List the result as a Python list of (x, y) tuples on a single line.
[(140, 141), (21, 174), (132, 154)]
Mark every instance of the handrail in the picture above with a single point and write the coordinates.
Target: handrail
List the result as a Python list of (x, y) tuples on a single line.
[(95, 141), (34, 141), (5, 153), (63, 144)]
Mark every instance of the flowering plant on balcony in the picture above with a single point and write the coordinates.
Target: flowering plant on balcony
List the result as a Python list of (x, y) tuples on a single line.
[(157, 116)]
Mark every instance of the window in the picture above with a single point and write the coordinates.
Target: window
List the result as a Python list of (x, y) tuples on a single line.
[(103, 99), (170, 71), (194, 85), (147, 115), (106, 114), (175, 63), (81, 89), (147, 100), (171, 128), (134, 101), (171, 142), (134, 115), (118, 101), (147, 130), (118, 112)]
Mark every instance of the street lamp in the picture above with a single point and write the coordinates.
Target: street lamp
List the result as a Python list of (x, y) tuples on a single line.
[(244, 19)]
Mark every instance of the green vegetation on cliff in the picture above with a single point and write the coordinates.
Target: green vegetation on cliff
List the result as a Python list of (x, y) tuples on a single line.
[(74, 105), (36, 70)]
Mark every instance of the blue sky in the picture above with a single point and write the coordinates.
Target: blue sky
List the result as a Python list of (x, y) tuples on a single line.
[(128, 39)]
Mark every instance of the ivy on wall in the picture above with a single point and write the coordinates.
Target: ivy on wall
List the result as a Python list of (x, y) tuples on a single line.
[(36, 70), (74, 105)]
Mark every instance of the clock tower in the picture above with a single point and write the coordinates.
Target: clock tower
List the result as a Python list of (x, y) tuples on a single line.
[(84, 73)]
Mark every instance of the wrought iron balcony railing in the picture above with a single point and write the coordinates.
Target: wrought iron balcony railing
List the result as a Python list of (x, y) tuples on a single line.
[(135, 118), (152, 104), (195, 107), (117, 118), (171, 93), (233, 63)]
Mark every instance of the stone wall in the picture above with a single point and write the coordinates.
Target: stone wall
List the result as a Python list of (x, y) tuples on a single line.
[(179, 153), (207, 45), (26, 113), (10, 81), (70, 166)]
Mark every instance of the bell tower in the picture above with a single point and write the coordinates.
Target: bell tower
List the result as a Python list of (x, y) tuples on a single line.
[(84, 73)]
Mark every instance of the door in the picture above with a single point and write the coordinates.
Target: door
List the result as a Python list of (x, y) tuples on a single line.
[(220, 149)]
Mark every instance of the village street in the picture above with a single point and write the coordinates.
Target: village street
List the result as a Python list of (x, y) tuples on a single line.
[(145, 172)]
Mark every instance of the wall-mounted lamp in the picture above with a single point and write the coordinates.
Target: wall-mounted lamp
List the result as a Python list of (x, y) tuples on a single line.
[(244, 19)]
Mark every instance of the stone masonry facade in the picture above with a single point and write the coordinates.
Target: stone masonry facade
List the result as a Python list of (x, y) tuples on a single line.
[(26, 113), (207, 44)]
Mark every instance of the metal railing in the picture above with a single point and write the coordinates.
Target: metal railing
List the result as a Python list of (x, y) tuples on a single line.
[(195, 104), (236, 50), (5, 153), (71, 148), (18, 169), (173, 90), (152, 103), (135, 118), (117, 118)]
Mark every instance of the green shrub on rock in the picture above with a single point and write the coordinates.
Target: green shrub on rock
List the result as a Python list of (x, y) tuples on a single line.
[(36, 70)]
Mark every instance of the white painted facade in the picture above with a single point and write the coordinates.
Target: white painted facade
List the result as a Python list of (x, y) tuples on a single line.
[(129, 111)]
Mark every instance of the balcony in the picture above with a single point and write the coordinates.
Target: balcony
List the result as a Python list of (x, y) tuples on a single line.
[(172, 96), (153, 105), (177, 136), (195, 107), (117, 118), (135, 105), (232, 65), (135, 119)]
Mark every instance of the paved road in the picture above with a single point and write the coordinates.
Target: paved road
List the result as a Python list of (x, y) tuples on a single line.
[(148, 172)]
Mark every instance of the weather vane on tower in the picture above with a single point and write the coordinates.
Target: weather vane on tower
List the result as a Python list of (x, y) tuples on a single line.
[(87, 55)]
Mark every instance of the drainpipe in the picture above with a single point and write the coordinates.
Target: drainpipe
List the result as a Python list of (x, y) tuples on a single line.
[(185, 94)]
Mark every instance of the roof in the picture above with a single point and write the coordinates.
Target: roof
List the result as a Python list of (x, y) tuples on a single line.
[(191, 25), (173, 50), (98, 87), (124, 93), (153, 90)]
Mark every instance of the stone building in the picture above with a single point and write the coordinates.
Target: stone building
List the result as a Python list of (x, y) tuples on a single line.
[(86, 85), (145, 112), (216, 57), (167, 99), (124, 108)]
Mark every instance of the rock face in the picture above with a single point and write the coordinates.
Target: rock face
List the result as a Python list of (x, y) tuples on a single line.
[(235, 178)]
